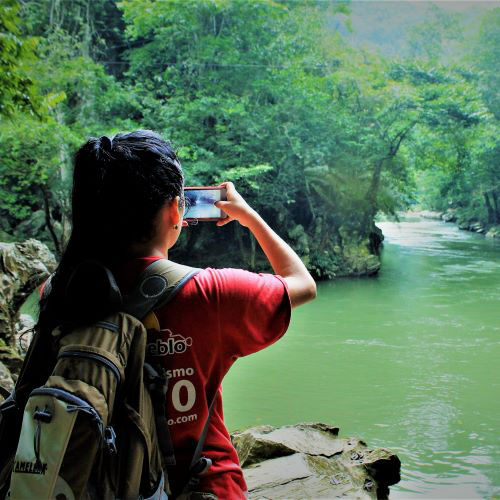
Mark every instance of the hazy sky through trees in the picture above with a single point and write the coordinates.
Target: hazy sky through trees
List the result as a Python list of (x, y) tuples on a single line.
[(391, 26)]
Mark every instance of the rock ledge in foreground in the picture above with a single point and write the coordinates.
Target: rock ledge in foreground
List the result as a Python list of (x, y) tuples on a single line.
[(310, 460)]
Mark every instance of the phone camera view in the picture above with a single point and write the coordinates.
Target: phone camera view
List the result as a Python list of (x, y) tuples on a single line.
[(200, 204)]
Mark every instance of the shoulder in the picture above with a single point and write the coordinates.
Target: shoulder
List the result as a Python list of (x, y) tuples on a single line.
[(234, 286), (229, 279)]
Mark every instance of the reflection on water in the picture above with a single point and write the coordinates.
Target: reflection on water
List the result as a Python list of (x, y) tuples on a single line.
[(408, 360)]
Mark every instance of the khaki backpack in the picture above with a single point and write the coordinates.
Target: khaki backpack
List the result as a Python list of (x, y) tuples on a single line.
[(87, 416)]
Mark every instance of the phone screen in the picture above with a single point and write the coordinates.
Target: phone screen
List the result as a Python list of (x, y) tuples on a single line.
[(200, 203)]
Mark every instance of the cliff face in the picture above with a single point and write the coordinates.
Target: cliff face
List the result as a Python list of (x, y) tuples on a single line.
[(334, 252), (312, 461), (327, 251)]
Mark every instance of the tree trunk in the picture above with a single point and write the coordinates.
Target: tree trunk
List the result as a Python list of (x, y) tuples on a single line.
[(241, 243), (494, 195), (87, 36), (48, 220), (371, 196), (489, 207), (65, 180)]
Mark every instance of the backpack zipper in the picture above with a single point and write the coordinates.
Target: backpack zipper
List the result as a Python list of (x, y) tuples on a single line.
[(94, 357), (67, 397)]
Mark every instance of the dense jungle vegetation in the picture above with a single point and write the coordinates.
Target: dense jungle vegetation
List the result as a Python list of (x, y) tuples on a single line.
[(321, 122)]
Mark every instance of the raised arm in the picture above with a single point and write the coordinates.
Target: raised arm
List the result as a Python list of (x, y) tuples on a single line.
[(284, 261)]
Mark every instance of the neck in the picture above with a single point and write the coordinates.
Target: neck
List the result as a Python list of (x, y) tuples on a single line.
[(148, 250)]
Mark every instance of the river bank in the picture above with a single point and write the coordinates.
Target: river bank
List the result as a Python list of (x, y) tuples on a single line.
[(464, 224)]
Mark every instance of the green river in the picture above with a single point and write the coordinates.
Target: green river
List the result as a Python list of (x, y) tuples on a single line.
[(408, 360)]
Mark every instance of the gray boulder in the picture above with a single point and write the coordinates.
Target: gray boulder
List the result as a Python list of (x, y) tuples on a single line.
[(493, 232), (6, 380), (477, 227), (23, 267), (312, 461), (450, 215), (463, 224), (355, 254), (24, 331)]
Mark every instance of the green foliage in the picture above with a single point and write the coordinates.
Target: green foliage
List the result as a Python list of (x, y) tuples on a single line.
[(317, 134), (30, 152), (486, 56), (17, 91)]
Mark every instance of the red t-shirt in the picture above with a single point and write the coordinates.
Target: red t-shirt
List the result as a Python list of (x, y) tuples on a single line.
[(218, 316)]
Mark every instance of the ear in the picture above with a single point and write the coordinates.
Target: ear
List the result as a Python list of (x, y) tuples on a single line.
[(174, 211)]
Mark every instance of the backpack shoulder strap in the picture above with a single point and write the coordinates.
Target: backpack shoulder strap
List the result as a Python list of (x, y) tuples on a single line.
[(158, 284)]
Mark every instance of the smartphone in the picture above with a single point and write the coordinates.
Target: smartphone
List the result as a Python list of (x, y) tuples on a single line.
[(200, 203)]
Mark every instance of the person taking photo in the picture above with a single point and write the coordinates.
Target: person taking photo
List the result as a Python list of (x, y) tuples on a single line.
[(127, 212)]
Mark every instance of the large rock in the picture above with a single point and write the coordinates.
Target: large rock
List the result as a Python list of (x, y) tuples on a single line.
[(6, 380), (357, 254), (477, 227), (450, 215), (493, 232), (463, 224), (311, 461), (24, 332), (23, 267)]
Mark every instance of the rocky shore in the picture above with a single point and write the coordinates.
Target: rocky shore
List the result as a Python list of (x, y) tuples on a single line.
[(450, 215), (310, 460)]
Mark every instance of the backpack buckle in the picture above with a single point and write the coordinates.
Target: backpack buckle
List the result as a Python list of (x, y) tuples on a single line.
[(110, 439), (201, 466), (43, 415), (157, 382), (7, 405)]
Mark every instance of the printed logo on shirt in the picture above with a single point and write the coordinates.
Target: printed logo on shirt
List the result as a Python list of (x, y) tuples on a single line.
[(174, 344)]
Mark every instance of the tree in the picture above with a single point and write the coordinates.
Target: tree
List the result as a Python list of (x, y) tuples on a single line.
[(454, 142), (17, 91), (79, 99)]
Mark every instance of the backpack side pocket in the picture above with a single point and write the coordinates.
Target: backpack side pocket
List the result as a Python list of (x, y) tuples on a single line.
[(48, 423), (10, 427)]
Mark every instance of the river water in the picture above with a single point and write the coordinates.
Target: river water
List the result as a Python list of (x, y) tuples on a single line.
[(408, 360)]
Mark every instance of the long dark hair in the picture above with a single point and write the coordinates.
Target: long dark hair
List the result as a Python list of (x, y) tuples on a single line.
[(119, 185)]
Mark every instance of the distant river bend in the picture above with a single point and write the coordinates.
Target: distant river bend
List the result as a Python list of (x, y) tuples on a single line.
[(408, 360)]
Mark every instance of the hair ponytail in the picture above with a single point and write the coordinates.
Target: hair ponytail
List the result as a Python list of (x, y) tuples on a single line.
[(106, 144)]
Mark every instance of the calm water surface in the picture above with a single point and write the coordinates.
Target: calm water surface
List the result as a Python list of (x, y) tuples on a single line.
[(409, 360)]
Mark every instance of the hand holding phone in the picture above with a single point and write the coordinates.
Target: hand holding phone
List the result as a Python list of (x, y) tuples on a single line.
[(200, 203), (235, 207)]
